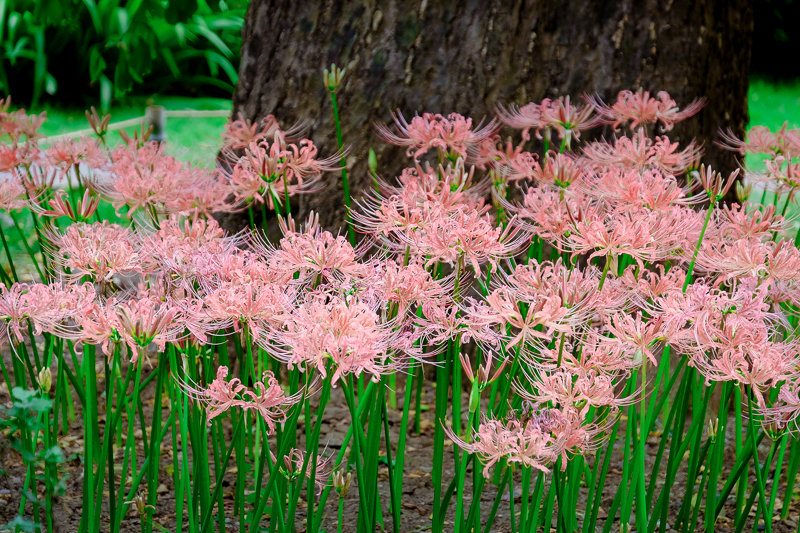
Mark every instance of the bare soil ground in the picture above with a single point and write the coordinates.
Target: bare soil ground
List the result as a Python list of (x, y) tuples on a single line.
[(417, 486)]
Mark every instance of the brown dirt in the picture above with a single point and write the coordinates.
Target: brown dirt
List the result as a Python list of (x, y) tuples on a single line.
[(417, 485)]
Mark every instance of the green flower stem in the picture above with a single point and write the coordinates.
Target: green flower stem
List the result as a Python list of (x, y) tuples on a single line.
[(791, 474), (641, 497), (88, 519), (24, 240), (777, 476), (697, 248), (345, 182), (363, 510), (8, 254)]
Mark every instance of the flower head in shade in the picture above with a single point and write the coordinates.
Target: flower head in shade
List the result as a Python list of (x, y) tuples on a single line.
[(640, 108), (453, 134), (145, 321), (295, 461), (313, 254), (529, 443), (640, 152), (266, 397), (559, 115), (239, 133)]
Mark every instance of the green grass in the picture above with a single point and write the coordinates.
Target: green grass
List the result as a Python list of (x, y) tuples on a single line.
[(190, 139), (772, 104)]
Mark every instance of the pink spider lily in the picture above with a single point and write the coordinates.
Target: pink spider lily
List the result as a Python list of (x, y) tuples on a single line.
[(12, 157), (471, 320), (186, 247), (18, 124), (760, 140), (576, 388), (453, 134), (69, 153), (99, 250), (728, 336), (560, 170), (714, 184), (785, 410), (640, 152), (529, 443), (749, 221), (637, 336), (145, 177), (53, 308), (483, 375), (782, 176), (12, 195), (239, 133), (510, 163), (646, 237), (267, 398), (408, 285), (294, 462), (567, 120), (630, 190), (259, 306), (326, 328), (145, 321), (313, 254), (640, 108), (269, 171), (543, 318)]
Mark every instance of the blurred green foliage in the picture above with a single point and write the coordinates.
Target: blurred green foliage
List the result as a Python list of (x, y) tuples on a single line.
[(104, 49)]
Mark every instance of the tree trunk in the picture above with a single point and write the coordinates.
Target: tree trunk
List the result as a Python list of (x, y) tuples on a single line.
[(466, 56)]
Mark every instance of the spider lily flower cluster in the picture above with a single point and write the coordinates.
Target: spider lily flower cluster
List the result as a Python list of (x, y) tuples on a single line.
[(587, 292)]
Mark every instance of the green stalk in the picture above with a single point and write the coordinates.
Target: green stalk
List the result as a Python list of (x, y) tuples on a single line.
[(8, 254), (24, 240), (697, 248), (89, 432), (399, 468), (777, 476), (155, 444), (791, 475), (345, 182), (641, 496)]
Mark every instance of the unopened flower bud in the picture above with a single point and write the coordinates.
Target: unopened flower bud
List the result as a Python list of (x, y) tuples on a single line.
[(743, 191), (333, 77), (372, 162), (141, 505), (341, 482), (713, 429), (45, 379), (474, 397)]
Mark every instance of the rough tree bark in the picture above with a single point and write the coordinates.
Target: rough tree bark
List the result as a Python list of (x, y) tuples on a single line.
[(467, 55)]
